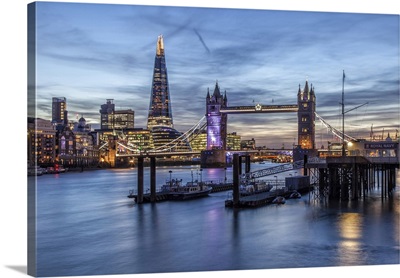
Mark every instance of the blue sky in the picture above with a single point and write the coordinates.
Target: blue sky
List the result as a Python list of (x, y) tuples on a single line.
[(92, 52)]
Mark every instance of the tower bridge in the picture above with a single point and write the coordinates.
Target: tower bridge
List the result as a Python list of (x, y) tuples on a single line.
[(217, 111)]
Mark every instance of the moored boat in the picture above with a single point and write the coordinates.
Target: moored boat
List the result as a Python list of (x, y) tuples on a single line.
[(36, 171), (254, 187), (177, 191), (279, 200), (295, 195), (56, 169)]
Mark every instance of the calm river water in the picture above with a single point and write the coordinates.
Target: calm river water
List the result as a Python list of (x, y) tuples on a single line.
[(86, 225)]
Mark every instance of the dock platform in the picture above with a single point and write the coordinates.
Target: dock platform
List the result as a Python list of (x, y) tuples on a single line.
[(163, 196), (261, 199)]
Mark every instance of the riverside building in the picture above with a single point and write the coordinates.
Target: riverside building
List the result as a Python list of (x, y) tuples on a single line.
[(41, 141)]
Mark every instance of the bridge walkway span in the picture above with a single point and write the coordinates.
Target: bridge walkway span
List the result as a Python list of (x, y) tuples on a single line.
[(274, 170)]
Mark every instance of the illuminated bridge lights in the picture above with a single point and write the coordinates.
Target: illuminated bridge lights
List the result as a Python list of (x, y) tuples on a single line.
[(258, 108), (160, 154)]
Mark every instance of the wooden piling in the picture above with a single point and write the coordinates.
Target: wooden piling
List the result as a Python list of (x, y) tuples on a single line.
[(247, 164), (140, 172), (152, 179), (236, 166)]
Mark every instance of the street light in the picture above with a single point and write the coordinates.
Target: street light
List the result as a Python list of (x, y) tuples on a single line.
[(201, 175), (170, 178)]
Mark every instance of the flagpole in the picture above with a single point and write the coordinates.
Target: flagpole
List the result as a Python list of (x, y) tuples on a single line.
[(343, 150)]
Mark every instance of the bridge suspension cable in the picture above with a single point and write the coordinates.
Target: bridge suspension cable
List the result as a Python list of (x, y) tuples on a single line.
[(185, 137), (335, 131), (102, 146), (134, 149)]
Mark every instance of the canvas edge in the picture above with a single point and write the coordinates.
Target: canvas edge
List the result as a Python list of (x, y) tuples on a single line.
[(31, 103)]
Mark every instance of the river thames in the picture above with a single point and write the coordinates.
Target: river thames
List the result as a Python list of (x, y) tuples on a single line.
[(86, 225)]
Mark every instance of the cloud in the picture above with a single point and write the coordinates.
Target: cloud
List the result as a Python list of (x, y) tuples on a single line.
[(254, 54)]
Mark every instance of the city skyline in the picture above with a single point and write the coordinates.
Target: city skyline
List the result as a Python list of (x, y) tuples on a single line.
[(92, 52)]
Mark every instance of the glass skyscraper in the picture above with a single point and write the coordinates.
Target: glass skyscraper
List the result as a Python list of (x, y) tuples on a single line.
[(160, 113), (159, 121)]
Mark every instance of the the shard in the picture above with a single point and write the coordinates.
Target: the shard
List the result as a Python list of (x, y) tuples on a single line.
[(160, 113)]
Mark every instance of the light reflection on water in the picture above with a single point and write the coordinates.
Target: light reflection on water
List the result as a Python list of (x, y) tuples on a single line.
[(87, 226), (350, 229)]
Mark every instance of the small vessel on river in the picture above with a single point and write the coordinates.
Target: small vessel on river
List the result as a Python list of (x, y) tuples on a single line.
[(174, 189), (193, 189), (295, 195), (254, 187), (35, 171), (279, 200)]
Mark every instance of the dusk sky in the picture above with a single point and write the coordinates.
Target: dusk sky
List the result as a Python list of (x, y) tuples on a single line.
[(92, 52)]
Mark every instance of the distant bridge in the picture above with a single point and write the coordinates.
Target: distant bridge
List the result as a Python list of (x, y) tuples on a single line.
[(166, 150), (200, 126), (159, 154)]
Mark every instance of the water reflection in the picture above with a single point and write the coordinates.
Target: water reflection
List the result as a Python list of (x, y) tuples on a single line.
[(87, 225), (350, 229)]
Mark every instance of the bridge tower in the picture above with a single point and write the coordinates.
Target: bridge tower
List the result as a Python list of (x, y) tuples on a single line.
[(112, 150), (306, 122), (216, 121), (214, 156)]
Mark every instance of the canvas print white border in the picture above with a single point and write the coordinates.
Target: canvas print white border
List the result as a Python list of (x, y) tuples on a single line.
[(13, 252)]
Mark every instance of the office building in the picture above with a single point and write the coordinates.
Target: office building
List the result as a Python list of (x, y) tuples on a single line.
[(59, 114), (115, 119)]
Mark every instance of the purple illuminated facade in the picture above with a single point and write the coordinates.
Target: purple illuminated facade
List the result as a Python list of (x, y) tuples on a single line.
[(216, 121)]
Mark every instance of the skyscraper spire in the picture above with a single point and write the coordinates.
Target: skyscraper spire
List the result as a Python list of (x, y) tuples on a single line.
[(160, 112), (160, 45)]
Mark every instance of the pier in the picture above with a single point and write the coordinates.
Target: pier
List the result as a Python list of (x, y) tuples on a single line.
[(331, 178), (352, 177)]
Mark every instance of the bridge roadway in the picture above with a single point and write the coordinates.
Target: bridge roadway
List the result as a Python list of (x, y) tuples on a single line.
[(163, 154)]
